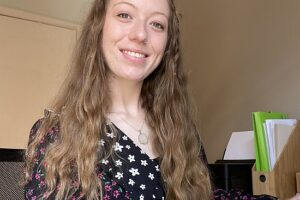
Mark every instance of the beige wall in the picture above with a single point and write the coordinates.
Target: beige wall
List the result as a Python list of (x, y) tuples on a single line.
[(34, 56), (243, 56)]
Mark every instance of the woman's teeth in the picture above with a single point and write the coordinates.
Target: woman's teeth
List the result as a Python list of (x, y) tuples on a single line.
[(134, 54)]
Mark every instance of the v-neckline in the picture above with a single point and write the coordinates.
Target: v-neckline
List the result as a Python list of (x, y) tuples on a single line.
[(140, 149)]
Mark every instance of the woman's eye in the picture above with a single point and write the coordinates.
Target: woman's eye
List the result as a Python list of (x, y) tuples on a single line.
[(158, 25), (124, 16)]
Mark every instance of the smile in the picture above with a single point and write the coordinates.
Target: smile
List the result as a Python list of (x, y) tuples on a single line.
[(134, 54)]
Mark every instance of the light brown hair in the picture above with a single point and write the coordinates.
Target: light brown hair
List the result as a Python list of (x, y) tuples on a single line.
[(82, 106)]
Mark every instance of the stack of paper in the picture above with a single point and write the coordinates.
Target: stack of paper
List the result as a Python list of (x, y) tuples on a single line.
[(277, 132), (260, 142)]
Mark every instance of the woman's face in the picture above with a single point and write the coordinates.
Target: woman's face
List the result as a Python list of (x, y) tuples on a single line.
[(135, 34)]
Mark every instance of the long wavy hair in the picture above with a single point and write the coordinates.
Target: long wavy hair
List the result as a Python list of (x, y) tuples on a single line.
[(82, 104)]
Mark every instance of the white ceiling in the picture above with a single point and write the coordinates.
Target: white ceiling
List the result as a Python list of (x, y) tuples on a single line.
[(68, 10)]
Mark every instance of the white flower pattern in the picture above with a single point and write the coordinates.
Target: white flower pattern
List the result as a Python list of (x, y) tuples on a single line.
[(111, 135), (131, 158), (118, 147), (119, 175), (143, 187), (118, 163), (131, 182), (105, 162), (144, 162), (133, 168), (151, 176), (134, 171), (102, 142)]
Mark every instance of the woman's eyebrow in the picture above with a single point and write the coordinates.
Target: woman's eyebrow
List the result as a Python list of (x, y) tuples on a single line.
[(160, 13), (132, 5), (124, 2)]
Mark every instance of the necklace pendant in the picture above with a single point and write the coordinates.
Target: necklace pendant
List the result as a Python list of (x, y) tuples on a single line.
[(143, 139)]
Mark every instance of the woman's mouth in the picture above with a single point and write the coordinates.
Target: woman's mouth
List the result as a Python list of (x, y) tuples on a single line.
[(134, 54)]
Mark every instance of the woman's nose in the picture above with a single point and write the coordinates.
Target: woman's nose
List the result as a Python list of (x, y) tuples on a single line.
[(138, 32)]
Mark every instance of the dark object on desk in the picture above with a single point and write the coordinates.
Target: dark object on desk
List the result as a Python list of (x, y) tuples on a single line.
[(11, 169), (232, 174)]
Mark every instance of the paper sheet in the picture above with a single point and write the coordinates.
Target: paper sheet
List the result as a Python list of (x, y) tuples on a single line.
[(240, 146)]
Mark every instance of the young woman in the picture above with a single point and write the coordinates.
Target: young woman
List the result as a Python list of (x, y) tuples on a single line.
[(121, 128)]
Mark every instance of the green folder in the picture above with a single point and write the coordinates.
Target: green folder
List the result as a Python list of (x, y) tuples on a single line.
[(260, 143)]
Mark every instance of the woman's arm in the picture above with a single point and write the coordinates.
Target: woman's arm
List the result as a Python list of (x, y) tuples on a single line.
[(35, 186)]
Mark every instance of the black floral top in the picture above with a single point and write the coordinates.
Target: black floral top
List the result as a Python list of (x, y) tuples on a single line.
[(131, 175), (133, 171)]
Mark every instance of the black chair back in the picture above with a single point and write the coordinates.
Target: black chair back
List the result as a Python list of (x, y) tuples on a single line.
[(11, 172)]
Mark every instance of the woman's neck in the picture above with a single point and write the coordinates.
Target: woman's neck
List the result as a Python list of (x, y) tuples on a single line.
[(128, 115), (125, 96)]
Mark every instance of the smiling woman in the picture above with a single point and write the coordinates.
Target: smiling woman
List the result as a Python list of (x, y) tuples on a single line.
[(134, 37), (121, 128)]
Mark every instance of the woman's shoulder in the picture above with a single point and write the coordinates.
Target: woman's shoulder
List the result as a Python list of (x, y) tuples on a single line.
[(50, 134)]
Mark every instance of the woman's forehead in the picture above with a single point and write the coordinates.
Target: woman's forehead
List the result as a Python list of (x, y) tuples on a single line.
[(156, 6)]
